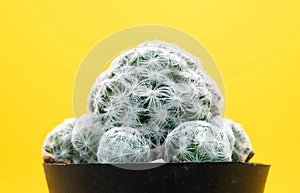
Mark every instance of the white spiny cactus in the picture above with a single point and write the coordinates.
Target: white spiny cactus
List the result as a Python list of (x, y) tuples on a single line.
[(58, 142), (124, 145), (242, 145), (155, 101), (222, 124), (86, 136), (155, 83), (197, 141)]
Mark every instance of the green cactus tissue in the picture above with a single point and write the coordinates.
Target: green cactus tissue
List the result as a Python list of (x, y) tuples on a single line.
[(155, 101)]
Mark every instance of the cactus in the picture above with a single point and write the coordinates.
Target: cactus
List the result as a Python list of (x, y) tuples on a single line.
[(58, 142), (86, 136), (154, 84), (155, 101), (242, 145), (123, 145), (197, 141), (221, 123)]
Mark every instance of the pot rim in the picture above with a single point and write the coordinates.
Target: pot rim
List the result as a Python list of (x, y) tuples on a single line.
[(159, 164)]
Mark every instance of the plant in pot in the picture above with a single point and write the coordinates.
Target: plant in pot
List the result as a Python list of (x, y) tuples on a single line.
[(155, 125)]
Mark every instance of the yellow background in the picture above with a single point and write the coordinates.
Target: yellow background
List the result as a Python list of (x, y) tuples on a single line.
[(255, 44)]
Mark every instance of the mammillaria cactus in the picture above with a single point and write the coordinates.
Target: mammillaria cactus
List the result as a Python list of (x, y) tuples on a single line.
[(155, 83), (86, 136), (123, 145), (155, 101), (58, 142), (242, 146), (197, 141)]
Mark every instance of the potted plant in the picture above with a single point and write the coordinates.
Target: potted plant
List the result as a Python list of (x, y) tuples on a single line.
[(155, 125)]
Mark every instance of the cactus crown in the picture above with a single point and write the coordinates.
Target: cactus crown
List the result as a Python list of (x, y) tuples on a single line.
[(154, 85), (155, 99)]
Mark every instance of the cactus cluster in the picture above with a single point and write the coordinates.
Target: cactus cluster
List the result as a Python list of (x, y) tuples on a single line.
[(154, 102)]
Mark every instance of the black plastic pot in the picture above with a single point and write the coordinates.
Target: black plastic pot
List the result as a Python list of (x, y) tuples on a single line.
[(167, 178)]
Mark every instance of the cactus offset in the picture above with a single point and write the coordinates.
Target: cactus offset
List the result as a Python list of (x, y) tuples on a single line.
[(86, 136), (197, 141), (58, 142), (123, 145), (242, 145)]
